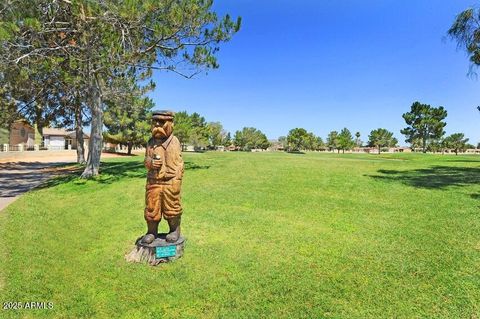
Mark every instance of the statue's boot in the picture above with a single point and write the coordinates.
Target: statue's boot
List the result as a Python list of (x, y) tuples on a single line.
[(152, 232), (174, 224)]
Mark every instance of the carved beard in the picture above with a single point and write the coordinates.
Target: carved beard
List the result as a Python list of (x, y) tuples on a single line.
[(162, 132)]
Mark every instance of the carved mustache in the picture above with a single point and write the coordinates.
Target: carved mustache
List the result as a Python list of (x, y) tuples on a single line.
[(158, 130)]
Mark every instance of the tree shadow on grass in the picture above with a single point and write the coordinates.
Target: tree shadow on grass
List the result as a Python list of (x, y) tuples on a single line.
[(17, 178), (111, 172), (296, 152), (435, 177), (464, 161)]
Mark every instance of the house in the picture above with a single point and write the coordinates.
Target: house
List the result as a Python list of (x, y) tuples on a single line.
[(402, 149), (55, 139), (60, 139), (22, 133), (22, 137), (275, 145)]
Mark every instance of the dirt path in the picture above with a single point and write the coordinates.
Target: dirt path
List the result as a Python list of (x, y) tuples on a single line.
[(20, 172), (18, 178)]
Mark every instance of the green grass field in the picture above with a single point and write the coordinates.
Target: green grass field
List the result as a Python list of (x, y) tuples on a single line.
[(269, 235)]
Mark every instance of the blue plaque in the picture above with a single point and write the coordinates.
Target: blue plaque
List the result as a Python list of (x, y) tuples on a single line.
[(165, 251)]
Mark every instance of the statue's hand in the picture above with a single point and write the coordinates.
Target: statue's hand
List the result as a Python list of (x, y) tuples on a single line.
[(157, 164)]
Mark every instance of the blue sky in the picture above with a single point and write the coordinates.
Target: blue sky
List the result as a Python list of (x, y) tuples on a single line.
[(325, 65)]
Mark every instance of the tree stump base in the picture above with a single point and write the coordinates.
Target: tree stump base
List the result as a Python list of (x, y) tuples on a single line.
[(158, 252)]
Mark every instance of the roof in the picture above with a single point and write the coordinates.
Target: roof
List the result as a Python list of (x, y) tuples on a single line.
[(73, 134), (54, 131), (24, 121)]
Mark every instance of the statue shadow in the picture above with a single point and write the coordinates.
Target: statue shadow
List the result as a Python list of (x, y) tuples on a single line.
[(435, 177)]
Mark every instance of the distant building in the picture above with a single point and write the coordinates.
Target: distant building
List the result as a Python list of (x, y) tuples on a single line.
[(472, 151), (22, 136), (402, 149), (22, 133), (275, 145), (60, 139)]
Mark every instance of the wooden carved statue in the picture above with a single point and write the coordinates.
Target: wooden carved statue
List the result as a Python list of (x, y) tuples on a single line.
[(163, 160)]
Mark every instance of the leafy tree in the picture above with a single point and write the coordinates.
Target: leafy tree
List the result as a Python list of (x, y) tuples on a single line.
[(312, 142), (128, 120), (101, 40), (435, 145), (424, 123), (319, 143), (250, 138), (465, 30), (239, 140), (297, 139), (227, 141), (193, 129), (457, 142), (381, 138), (345, 140), (199, 132), (216, 134), (332, 141), (183, 127)]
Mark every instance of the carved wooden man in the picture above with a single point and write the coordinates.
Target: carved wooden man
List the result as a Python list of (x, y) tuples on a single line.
[(163, 160)]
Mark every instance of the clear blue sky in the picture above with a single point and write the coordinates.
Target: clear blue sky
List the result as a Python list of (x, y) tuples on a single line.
[(325, 65)]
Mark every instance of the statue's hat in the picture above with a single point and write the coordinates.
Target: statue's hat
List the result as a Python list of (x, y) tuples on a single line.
[(163, 115)]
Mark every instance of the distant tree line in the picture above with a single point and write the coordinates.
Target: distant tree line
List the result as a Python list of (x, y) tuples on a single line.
[(424, 131), (193, 129), (299, 139)]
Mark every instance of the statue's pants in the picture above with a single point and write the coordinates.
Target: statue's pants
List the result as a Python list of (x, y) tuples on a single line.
[(162, 199)]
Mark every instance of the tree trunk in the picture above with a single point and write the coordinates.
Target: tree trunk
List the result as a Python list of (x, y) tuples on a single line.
[(424, 145), (79, 133), (96, 138), (38, 125), (38, 134), (379, 149), (129, 148)]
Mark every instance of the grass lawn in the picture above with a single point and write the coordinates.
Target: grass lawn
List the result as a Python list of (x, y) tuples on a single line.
[(269, 235)]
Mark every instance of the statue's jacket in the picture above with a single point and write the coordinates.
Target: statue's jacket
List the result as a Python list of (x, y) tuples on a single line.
[(170, 153)]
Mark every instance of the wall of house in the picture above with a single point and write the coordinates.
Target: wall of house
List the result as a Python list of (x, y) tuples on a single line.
[(54, 142), (19, 133), (74, 143)]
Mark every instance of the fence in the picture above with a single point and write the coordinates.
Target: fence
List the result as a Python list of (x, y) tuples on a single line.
[(36, 147)]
